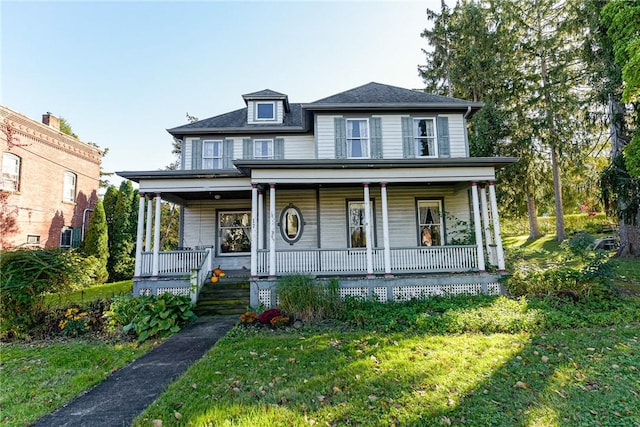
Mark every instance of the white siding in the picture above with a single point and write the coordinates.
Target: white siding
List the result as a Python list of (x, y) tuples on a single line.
[(186, 152), (325, 136), (305, 201), (299, 147), (391, 135), (403, 228), (457, 143)]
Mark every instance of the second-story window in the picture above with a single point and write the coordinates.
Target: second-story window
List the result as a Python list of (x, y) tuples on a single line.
[(10, 172), (212, 154), (69, 190), (263, 149), (265, 111), (357, 138), (424, 133)]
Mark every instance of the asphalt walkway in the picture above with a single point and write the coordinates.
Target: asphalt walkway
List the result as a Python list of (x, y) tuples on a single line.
[(120, 398)]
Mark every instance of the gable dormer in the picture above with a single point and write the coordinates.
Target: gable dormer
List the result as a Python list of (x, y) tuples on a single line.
[(266, 107)]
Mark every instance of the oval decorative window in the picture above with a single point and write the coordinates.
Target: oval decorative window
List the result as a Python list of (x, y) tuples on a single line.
[(291, 224)]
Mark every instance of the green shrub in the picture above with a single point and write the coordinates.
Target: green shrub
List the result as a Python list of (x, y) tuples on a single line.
[(591, 223), (26, 275), (580, 243), (96, 242), (150, 316), (304, 298), (561, 278)]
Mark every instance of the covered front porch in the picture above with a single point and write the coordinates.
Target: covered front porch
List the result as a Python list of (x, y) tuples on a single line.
[(321, 244)]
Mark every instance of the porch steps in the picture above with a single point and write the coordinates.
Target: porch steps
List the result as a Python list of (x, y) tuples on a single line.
[(229, 296)]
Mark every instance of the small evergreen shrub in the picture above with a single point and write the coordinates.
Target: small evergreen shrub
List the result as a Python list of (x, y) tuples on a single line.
[(150, 316)]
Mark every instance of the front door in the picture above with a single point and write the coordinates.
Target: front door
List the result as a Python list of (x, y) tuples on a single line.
[(234, 233)]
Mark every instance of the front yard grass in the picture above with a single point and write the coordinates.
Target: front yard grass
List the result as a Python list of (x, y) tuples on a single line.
[(37, 378), (92, 293), (579, 377)]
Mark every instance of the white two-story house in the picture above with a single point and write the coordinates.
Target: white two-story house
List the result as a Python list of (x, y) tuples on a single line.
[(373, 186)]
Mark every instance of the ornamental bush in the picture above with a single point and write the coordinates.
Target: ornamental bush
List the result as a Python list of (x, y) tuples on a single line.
[(25, 277), (266, 316), (150, 316), (309, 300)]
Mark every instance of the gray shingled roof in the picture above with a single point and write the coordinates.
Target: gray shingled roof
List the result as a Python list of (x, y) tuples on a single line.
[(377, 93), (264, 93), (236, 120), (372, 96)]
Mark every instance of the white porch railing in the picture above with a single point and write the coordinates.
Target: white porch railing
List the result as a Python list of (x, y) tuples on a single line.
[(199, 275), (173, 262), (354, 261)]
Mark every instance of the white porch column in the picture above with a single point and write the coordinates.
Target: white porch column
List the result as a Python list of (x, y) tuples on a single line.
[(496, 227), (156, 239), (147, 245), (254, 231), (488, 241), (260, 219), (138, 265), (478, 228), (272, 231), (368, 232), (385, 230)]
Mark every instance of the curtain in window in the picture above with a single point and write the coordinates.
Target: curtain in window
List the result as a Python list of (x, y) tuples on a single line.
[(358, 138)]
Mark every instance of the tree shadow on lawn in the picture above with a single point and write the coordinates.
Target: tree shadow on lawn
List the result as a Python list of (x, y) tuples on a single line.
[(564, 377)]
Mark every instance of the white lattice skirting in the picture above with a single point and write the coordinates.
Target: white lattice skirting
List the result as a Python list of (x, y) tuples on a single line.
[(395, 289)]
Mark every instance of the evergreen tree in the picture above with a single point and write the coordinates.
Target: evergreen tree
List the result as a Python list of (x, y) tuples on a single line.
[(609, 23), (96, 241), (521, 59), (121, 261), (109, 202)]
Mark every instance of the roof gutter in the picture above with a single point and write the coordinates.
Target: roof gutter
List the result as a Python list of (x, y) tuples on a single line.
[(468, 112)]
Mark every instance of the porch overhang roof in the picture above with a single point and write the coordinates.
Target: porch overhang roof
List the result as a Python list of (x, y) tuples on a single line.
[(138, 176), (246, 166)]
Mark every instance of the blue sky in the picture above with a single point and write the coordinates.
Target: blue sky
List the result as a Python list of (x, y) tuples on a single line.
[(123, 72)]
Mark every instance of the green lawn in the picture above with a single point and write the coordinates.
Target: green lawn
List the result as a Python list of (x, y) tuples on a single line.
[(36, 379), (576, 377), (107, 290)]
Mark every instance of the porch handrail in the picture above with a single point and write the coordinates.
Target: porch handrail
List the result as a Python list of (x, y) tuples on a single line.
[(448, 258), (172, 262), (199, 275)]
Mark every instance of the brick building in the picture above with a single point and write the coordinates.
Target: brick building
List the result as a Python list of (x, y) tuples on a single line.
[(49, 182)]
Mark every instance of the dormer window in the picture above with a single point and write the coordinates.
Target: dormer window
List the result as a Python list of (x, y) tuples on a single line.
[(265, 111)]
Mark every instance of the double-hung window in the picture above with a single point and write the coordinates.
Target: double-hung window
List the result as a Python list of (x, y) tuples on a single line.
[(10, 172), (65, 237), (425, 140), (212, 154), (265, 111), (263, 149), (357, 138), (430, 223), (69, 190)]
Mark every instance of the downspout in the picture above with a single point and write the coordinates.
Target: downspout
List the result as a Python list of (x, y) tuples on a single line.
[(84, 221), (466, 136)]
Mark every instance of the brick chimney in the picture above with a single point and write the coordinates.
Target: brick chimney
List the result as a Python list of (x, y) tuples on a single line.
[(51, 120)]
